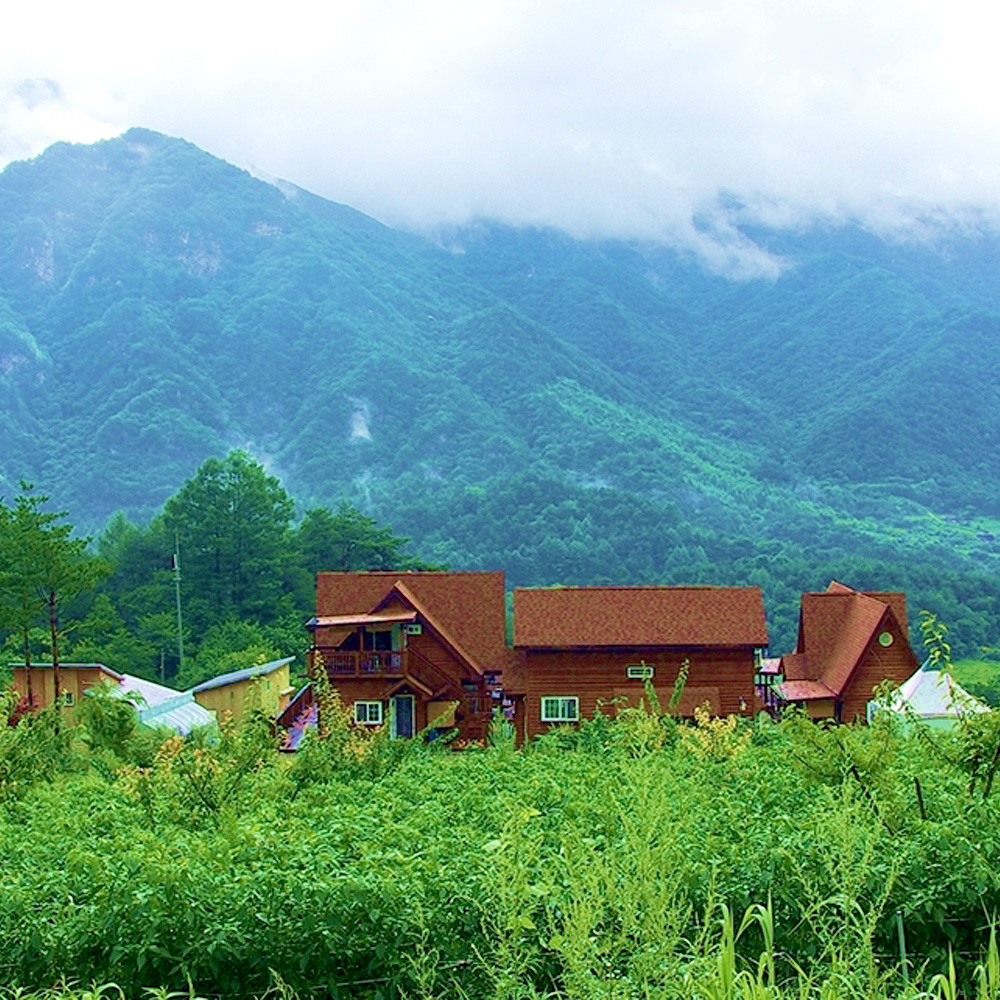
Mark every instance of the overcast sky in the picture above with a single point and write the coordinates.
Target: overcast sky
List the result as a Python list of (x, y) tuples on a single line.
[(623, 118)]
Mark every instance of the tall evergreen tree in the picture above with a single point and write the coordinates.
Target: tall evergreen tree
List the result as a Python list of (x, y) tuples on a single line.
[(232, 524), (347, 540)]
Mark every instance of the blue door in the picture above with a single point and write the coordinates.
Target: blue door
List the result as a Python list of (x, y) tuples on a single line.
[(402, 715)]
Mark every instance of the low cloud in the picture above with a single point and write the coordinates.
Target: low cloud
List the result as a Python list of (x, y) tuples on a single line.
[(35, 112), (645, 119)]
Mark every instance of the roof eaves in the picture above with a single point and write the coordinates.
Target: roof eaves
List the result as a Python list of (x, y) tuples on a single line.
[(857, 630), (235, 676), (19, 665), (442, 633), (804, 690)]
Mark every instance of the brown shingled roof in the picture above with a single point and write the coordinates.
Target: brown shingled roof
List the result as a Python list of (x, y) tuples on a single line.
[(564, 617), (804, 690), (835, 628), (896, 600), (469, 608)]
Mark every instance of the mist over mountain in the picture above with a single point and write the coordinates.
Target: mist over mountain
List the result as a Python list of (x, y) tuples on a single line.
[(565, 410)]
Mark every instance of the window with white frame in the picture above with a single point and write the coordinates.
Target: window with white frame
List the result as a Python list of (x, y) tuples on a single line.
[(560, 709), (639, 671), (368, 713)]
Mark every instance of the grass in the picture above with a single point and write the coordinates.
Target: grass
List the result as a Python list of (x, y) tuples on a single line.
[(971, 671)]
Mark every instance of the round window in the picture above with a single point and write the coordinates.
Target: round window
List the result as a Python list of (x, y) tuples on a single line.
[(885, 639)]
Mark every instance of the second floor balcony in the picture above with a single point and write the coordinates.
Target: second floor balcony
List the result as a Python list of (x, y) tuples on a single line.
[(386, 663)]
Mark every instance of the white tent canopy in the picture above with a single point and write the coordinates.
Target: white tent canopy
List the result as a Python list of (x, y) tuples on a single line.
[(934, 697)]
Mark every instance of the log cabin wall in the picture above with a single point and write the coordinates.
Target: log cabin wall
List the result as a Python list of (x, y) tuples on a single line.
[(437, 668), (895, 662), (722, 677)]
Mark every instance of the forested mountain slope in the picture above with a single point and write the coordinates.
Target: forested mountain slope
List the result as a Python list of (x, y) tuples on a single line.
[(565, 410)]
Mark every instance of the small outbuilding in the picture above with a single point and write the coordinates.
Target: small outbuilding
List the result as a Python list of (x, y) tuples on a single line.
[(37, 685), (264, 685)]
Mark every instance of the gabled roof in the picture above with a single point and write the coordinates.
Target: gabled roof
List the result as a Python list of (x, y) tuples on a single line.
[(235, 676), (406, 681), (894, 598), (836, 628), (577, 617), (113, 674), (443, 632), (466, 609)]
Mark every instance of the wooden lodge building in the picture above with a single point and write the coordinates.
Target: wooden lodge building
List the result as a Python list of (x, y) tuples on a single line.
[(849, 641), (584, 647), (427, 650), (411, 650)]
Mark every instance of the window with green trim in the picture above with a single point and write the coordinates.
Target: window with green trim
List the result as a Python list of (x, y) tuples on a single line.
[(560, 709), (368, 713)]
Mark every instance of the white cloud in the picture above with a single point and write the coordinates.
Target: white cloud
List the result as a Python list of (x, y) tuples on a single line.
[(622, 119)]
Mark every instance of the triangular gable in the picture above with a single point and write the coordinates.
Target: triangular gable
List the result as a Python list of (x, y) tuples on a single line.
[(407, 681), (837, 628), (794, 667), (400, 589), (468, 606)]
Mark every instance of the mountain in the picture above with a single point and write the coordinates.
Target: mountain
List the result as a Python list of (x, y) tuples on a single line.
[(568, 410)]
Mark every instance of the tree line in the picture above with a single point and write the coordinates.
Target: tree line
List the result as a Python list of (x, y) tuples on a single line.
[(221, 578), (247, 561)]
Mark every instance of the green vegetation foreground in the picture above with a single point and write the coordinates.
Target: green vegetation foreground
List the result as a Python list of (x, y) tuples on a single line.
[(613, 861)]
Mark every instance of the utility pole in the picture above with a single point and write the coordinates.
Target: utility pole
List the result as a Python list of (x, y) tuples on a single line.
[(177, 594)]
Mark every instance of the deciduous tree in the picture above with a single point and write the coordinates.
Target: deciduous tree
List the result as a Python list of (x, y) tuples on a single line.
[(41, 567)]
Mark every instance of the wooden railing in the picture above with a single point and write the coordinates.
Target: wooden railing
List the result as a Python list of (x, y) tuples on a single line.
[(300, 702), (768, 694), (365, 664)]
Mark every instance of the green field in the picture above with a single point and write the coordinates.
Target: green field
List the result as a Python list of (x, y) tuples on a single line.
[(979, 677), (636, 857)]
